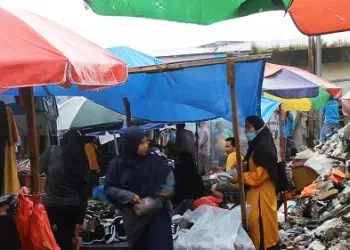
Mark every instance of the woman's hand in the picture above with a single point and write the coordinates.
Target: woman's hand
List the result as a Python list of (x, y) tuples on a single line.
[(136, 199), (164, 195), (234, 178)]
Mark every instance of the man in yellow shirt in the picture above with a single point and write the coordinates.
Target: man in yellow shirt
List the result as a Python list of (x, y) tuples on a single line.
[(230, 149), (226, 186)]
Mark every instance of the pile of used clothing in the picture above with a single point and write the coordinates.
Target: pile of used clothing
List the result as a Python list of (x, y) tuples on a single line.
[(103, 224), (319, 216)]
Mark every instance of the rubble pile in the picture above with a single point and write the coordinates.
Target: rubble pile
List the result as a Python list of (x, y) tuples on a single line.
[(319, 217), (312, 222)]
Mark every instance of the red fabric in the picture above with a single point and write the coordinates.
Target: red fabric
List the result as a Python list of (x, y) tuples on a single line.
[(33, 225), (208, 200), (337, 176), (23, 219), (317, 17), (40, 230), (35, 51)]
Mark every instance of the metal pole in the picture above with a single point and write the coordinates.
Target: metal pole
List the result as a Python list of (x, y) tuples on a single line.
[(116, 144), (127, 111), (26, 94), (282, 139), (318, 67), (318, 71), (312, 114), (311, 54), (235, 123)]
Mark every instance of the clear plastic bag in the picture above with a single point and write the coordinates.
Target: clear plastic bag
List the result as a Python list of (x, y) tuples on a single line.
[(214, 228)]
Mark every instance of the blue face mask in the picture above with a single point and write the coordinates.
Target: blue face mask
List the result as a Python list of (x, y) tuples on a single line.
[(250, 136)]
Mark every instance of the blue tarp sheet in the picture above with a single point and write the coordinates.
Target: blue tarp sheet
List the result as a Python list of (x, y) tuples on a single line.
[(186, 95), (268, 106), (134, 58)]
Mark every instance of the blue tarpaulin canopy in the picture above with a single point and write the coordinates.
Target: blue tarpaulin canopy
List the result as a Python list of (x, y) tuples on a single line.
[(184, 95), (134, 58)]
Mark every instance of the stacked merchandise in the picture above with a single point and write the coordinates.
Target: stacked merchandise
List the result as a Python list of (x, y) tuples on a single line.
[(103, 224)]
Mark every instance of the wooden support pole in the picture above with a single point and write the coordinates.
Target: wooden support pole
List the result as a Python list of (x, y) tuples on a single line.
[(26, 94), (127, 111), (235, 123), (194, 63)]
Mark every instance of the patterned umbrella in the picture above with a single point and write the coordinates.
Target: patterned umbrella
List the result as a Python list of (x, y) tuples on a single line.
[(290, 82)]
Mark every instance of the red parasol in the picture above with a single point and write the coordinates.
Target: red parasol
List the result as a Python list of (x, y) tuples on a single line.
[(35, 51), (317, 17)]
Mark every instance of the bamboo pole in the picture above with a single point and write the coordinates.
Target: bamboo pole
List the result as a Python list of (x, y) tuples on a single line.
[(26, 94), (235, 123)]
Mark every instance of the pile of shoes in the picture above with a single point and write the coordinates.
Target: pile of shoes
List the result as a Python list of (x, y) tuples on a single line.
[(181, 222), (103, 224)]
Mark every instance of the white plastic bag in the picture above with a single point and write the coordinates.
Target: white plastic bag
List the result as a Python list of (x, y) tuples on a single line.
[(214, 228)]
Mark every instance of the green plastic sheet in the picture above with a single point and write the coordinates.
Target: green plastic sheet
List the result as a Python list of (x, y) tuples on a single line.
[(190, 11), (320, 101)]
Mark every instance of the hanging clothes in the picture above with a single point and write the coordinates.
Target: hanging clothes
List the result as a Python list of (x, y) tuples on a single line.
[(4, 137), (92, 156), (11, 181)]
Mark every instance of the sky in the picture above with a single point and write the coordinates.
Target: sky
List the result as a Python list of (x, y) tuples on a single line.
[(154, 35)]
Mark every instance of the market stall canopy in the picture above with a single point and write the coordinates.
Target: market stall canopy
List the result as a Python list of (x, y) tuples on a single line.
[(194, 11), (182, 95), (345, 103), (36, 51), (312, 17), (185, 95), (134, 58), (317, 17), (303, 104), (290, 82), (79, 112)]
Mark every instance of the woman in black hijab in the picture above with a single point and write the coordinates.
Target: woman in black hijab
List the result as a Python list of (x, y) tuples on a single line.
[(67, 186), (261, 179), (142, 173)]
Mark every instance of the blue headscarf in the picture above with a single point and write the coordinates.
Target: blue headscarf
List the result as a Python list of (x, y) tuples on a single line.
[(142, 175)]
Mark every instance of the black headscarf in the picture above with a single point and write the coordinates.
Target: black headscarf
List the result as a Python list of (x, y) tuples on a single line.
[(189, 183), (263, 148), (131, 141), (142, 175), (74, 156)]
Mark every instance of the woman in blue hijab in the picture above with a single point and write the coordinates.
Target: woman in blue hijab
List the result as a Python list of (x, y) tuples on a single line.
[(138, 174)]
